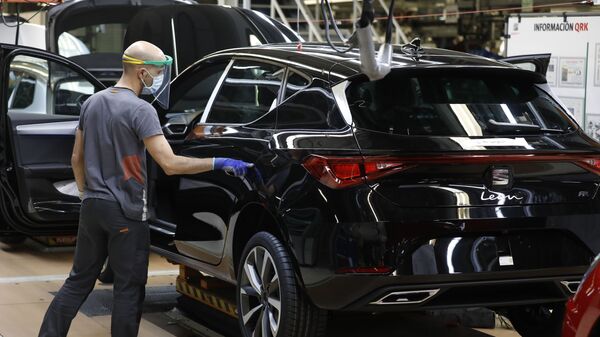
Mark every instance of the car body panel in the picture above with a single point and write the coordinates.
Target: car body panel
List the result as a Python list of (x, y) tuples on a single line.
[(37, 176), (506, 251)]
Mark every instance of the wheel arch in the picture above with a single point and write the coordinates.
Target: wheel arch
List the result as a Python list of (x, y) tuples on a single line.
[(251, 219), (254, 218)]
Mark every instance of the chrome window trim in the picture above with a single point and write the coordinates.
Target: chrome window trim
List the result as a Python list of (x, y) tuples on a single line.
[(284, 85), (215, 92), (222, 79), (339, 93)]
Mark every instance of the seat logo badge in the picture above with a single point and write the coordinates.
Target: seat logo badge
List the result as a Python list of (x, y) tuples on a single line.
[(500, 177)]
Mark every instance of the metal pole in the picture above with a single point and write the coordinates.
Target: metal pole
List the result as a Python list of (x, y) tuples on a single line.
[(308, 17)]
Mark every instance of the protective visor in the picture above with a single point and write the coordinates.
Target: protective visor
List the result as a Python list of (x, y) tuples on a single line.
[(161, 84)]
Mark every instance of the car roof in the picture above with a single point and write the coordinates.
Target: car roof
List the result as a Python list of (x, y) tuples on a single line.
[(322, 58)]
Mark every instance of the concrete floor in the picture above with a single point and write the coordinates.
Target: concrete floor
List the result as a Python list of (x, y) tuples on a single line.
[(30, 274)]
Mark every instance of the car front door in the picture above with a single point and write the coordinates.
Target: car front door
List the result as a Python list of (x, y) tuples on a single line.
[(41, 95)]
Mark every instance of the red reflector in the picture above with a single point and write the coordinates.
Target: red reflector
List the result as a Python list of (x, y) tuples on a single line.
[(593, 164), (365, 270), (341, 172)]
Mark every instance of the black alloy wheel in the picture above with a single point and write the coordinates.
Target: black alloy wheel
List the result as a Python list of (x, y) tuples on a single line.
[(270, 301)]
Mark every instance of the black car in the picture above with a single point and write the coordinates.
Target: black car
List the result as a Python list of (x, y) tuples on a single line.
[(455, 181), (94, 34)]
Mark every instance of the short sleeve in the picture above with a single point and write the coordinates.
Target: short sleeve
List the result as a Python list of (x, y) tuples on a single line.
[(82, 114), (146, 123)]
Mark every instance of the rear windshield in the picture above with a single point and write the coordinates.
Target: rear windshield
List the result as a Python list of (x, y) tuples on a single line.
[(101, 38), (455, 103)]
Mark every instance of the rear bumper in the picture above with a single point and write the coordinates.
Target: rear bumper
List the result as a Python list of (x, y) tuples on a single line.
[(470, 256), (391, 293)]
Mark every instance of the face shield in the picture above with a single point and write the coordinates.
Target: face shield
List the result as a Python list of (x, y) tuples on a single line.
[(161, 82)]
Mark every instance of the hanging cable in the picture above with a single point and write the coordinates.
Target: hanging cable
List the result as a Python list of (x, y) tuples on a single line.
[(327, 16), (334, 23), (18, 18), (3, 18)]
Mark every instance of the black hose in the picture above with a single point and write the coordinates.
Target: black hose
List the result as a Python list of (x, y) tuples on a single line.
[(388, 31), (367, 15), (334, 24), (3, 18), (18, 26), (326, 19)]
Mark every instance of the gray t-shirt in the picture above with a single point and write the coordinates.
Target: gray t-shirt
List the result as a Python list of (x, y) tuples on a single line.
[(115, 122)]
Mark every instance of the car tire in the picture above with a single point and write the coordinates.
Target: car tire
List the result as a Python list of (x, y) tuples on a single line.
[(543, 320), (279, 305), (13, 240)]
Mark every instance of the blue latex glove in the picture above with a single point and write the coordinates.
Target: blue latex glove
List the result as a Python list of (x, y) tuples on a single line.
[(232, 167)]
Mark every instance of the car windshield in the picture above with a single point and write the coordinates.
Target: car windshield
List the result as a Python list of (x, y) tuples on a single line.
[(455, 103), (101, 38)]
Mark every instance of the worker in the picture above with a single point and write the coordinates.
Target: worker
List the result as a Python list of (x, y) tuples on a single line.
[(116, 127)]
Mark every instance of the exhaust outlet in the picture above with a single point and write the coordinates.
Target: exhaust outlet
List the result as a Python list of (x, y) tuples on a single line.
[(406, 297)]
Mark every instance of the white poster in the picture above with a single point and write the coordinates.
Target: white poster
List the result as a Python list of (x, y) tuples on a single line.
[(572, 72), (573, 42), (575, 106), (551, 73), (592, 126), (597, 65)]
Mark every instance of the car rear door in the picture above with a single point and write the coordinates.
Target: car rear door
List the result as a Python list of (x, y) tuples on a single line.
[(194, 211), (41, 97)]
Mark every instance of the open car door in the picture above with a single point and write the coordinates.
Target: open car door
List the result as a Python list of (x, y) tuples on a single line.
[(41, 96), (537, 63)]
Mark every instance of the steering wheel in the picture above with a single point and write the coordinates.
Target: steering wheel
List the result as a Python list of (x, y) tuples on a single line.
[(81, 99)]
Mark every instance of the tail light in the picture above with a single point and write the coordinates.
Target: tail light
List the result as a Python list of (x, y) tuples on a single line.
[(591, 164), (342, 172)]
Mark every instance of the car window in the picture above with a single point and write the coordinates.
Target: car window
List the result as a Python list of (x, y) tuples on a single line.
[(22, 87), (95, 38), (312, 108), (526, 66), (455, 103), (40, 86), (294, 83), (249, 91), (193, 90)]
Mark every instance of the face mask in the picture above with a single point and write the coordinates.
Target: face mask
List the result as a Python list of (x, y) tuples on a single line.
[(156, 84)]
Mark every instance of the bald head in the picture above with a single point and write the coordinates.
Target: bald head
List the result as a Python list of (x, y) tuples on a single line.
[(144, 51)]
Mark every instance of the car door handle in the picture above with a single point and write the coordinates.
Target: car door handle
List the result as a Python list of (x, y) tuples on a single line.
[(174, 129)]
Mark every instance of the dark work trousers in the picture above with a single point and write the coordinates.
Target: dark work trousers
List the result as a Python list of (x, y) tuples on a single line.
[(104, 231)]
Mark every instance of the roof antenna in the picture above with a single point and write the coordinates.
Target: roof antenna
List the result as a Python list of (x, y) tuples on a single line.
[(413, 49), (374, 66)]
